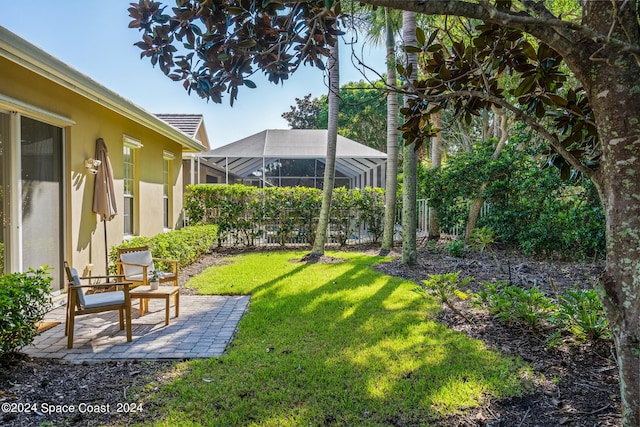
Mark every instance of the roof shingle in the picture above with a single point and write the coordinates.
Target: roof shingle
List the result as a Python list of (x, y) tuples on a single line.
[(187, 123)]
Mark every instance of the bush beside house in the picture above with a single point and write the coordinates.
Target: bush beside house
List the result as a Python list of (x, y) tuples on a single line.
[(24, 300)]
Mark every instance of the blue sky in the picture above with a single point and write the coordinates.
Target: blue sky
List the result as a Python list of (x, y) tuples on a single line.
[(92, 36)]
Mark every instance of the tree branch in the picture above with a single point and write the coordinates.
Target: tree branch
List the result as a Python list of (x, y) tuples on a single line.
[(544, 26)]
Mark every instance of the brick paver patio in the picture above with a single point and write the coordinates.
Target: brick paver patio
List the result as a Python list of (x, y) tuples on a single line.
[(204, 328)]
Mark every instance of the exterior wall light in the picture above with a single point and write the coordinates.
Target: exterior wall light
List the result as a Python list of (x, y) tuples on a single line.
[(92, 165)]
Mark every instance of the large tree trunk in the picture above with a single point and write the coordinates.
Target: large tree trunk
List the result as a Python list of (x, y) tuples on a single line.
[(619, 286), (610, 78), (330, 165), (392, 139), (410, 160), (619, 185)]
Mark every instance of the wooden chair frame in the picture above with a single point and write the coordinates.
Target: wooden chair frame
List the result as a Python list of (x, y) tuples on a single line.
[(145, 276), (74, 307)]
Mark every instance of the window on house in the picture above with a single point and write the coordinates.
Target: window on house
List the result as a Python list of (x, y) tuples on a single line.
[(167, 189), (129, 192), (130, 184)]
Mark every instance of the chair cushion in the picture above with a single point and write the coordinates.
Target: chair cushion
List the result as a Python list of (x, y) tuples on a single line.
[(142, 258), (80, 291), (103, 299)]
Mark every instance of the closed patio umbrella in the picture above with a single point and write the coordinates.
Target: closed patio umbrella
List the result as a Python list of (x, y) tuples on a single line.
[(104, 196)]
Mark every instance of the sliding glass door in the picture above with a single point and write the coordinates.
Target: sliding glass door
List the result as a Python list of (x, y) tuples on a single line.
[(41, 182), (31, 154)]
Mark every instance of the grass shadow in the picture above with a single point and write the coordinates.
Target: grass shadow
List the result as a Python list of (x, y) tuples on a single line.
[(331, 344)]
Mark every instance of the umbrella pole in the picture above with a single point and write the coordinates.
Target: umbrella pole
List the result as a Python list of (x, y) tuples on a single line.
[(106, 253)]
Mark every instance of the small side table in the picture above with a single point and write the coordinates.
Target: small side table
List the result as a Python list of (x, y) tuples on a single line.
[(145, 293)]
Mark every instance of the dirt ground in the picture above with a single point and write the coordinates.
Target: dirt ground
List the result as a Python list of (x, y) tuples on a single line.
[(572, 384)]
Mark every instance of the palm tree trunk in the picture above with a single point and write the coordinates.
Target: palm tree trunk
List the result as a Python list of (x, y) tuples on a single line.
[(392, 139), (330, 165), (410, 159), (436, 162)]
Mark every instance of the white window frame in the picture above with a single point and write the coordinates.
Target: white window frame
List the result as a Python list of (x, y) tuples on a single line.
[(132, 145), (167, 189)]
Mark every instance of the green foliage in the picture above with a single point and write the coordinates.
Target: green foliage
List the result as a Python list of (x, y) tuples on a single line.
[(185, 245), (481, 239), (580, 313), (529, 206), (446, 286), (273, 207), (24, 300), (513, 304), (504, 63), (233, 39), (306, 203), (371, 208), (362, 115), (304, 115), (451, 188), (343, 214), (283, 214), (220, 205), (456, 248)]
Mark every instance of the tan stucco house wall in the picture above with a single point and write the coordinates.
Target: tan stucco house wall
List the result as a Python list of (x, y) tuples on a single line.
[(40, 90)]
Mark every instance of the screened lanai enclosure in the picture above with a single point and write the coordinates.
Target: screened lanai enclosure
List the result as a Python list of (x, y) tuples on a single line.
[(296, 157)]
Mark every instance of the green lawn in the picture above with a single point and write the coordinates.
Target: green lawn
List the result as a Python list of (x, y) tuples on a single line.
[(330, 344)]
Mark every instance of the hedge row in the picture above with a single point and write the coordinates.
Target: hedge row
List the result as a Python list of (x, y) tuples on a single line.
[(287, 214), (185, 245)]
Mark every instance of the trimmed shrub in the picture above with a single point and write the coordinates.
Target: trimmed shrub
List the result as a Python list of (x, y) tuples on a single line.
[(224, 206), (24, 300), (185, 245), (343, 214), (371, 206), (283, 214)]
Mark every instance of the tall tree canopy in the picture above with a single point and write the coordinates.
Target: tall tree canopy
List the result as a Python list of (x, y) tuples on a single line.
[(214, 46), (304, 115), (362, 115)]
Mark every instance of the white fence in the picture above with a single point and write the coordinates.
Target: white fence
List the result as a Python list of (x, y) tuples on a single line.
[(281, 232)]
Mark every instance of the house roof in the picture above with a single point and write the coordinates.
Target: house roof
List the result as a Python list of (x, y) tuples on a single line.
[(40, 62), (187, 123), (247, 155), (190, 124)]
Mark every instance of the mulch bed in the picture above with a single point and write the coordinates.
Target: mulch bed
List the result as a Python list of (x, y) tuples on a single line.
[(572, 384)]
